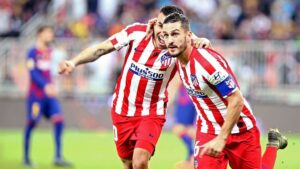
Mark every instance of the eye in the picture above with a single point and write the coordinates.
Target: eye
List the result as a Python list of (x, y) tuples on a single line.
[(165, 36), (175, 34)]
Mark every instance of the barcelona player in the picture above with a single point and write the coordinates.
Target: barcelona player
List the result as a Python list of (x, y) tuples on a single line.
[(41, 97)]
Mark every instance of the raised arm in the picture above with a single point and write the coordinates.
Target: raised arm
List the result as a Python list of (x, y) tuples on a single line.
[(89, 54)]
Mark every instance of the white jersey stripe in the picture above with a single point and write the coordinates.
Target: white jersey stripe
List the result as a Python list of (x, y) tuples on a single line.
[(204, 127), (134, 89), (211, 59), (122, 85)]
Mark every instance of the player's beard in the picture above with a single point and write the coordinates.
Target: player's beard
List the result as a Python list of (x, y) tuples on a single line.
[(183, 47)]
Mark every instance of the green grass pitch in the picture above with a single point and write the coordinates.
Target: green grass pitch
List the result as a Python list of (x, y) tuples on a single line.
[(95, 150)]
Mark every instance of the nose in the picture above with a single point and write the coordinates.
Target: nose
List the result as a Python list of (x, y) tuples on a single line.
[(167, 41), (170, 41)]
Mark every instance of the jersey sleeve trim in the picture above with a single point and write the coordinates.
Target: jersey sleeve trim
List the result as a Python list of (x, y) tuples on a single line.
[(122, 38)]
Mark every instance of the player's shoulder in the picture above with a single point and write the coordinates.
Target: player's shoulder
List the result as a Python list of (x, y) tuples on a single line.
[(207, 59), (208, 54), (136, 27), (203, 51)]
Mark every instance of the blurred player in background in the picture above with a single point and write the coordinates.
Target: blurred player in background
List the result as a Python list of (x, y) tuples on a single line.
[(41, 97), (227, 130), (184, 127), (140, 98)]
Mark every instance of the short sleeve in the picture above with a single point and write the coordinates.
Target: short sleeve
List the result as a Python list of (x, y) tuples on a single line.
[(122, 38), (223, 82), (216, 74)]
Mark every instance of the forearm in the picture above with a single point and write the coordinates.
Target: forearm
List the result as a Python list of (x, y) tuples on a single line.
[(93, 53), (38, 79), (235, 106)]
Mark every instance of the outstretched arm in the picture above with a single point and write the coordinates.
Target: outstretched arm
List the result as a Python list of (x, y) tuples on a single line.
[(89, 54)]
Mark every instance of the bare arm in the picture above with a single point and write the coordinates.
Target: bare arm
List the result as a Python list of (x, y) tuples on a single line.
[(93, 53), (89, 54), (235, 106)]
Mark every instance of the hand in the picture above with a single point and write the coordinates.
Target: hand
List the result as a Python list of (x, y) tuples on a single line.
[(201, 43), (66, 67), (213, 147), (150, 25), (50, 90)]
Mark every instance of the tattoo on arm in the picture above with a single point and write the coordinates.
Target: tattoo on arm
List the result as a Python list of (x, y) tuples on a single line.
[(98, 53), (90, 56)]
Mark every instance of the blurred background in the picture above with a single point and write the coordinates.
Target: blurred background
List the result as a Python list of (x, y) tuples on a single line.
[(260, 39)]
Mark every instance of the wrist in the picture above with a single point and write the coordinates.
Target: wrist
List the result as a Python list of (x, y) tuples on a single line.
[(72, 63), (223, 137)]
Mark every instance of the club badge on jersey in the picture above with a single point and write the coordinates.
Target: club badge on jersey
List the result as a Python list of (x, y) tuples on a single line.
[(230, 83), (166, 60), (194, 80)]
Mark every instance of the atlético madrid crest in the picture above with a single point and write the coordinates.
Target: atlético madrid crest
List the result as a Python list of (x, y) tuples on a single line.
[(166, 60), (194, 80)]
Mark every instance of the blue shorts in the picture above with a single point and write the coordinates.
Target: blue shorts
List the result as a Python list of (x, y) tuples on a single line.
[(185, 114), (36, 107)]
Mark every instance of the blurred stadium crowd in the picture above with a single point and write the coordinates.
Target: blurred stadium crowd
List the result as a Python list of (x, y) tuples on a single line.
[(215, 19)]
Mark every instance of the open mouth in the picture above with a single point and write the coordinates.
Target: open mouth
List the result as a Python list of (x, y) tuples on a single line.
[(160, 39)]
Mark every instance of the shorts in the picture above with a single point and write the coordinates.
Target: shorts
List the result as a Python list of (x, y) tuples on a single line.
[(136, 132), (185, 114), (38, 107), (242, 151)]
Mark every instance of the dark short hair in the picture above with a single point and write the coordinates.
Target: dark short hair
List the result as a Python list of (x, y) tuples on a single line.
[(41, 28), (167, 10), (177, 17)]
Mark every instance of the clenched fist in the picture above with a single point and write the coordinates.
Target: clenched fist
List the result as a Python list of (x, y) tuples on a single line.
[(66, 67)]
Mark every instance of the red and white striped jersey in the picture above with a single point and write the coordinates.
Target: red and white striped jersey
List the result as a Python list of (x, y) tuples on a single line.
[(209, 80), (141, 88)]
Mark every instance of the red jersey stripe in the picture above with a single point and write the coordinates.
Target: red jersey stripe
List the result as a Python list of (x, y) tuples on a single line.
[(212, 107), (136, 27), (211, 128), (143, 84), (129, 76)]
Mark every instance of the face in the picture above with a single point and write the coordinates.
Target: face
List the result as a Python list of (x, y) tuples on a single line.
[(176, 38), (158, 38), (47, 35)]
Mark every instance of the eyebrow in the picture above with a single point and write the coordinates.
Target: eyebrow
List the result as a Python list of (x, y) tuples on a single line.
[(175, 30)]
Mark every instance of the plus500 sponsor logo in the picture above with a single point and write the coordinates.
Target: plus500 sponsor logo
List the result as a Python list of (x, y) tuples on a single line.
[(146, 72)]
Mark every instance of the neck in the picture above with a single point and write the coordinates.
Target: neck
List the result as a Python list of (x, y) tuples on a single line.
[(41, 45), (185, 56)]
